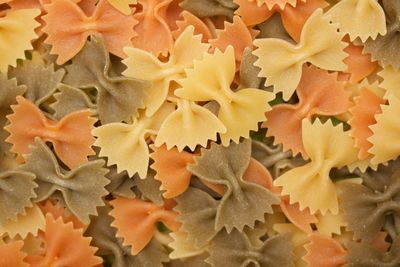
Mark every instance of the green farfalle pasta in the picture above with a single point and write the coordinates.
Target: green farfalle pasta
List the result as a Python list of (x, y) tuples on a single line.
[(369, 206), (243, 203), (118, 97), (236, 250), (82, 188), (41, 81), (248, 72)]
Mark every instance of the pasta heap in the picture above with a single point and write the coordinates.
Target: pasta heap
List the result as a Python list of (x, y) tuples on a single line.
[(199, 133)]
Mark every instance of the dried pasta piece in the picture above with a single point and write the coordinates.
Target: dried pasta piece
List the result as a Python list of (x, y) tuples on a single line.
[(153, 33), (248, 73), (384, 47), (182, 247), (359, 18), (188, 126), (70, 99), (115, 27), (365, 255), (367, 106), (83, 184), (123, 5), (385, 133), (210, 79), (280, 3), (71, 136), (143, 65), (41, 81), (131, 153), (319, 93), (391, 80), (170, 165), (30, 222), (281, 62), (310, 185), (359, 65), (118, 97), (65, 246), (367, 207), (120, 183), (11, 254), (273, 28), (235, 34), (188, 19), (136, 220), (104, 237), (149, 188), (209, 8), (243, 202), (330, 224), (16, 193), (235, 249), (17, 31), (324, 251)]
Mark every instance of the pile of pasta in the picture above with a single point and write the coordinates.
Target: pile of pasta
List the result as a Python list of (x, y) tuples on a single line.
[(199, 133)]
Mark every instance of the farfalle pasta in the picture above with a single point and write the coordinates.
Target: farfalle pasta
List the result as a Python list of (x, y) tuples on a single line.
[(246, 105), (281, 62), (304, 184), (199, 133)]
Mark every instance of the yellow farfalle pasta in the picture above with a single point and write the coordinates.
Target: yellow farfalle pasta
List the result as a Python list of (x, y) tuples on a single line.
[(328, 147), (391, 81), (17, 30), (359, 18), (123, 5), (329, 223), (182, 247), (210, 79), (144, 65), (386, 132), (125, 144), (190, 125), (281, 62), (30, 222)]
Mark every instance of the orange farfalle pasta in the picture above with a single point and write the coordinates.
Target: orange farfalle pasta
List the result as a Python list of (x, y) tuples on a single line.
[(367, 105), (319, 92), (170, 166), (324, 251), (71, 136), (359, 65), (273, 3), (237, 35), (65, 246), (153, 32), (293, 17), (188, 19), (136, 219), (11, 254), (68, 27)]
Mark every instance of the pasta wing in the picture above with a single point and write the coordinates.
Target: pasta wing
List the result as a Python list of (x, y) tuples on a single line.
[(17, 31), (310, 184), (324, 251), (182, 247), (12, 255), (391, 80), (384, 133), (359, 18), (123, 5), (281, 62)]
